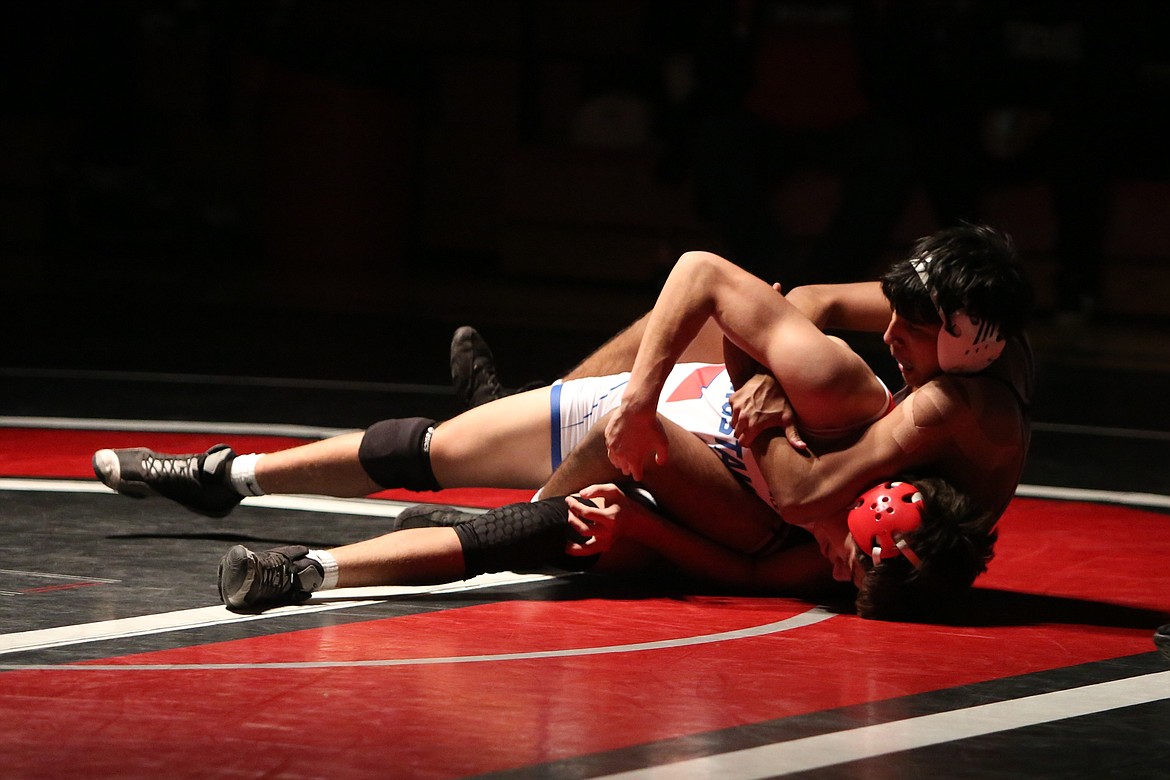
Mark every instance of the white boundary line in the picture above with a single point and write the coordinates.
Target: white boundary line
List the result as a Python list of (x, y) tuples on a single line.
[(801, 755), (1128, 498), (807, 618), (54, 485), (181, 620)]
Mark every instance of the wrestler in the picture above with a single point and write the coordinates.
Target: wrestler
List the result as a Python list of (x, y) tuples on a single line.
[(965, 411), (860, 385), (953, 315), (513, 442)]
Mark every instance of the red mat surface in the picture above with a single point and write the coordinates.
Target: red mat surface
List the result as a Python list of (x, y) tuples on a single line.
[(451, 719), (1072, 583)]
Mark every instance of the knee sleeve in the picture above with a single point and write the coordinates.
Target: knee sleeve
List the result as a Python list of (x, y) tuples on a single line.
[(520, 537), (397, 453)]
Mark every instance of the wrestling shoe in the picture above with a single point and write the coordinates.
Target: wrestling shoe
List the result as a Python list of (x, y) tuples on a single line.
[(430, 516), (473, 369), (254, 580), (198, 481), (1162, 640)]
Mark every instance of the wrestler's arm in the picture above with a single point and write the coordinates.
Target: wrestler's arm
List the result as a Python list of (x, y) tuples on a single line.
[(760, 402), (828, 384), (857, 306), (917, 432), (703, 286), (796, 571)]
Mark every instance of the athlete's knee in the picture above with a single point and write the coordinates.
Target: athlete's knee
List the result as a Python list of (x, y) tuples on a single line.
[(519, 537), (452, 444), (396, 453)]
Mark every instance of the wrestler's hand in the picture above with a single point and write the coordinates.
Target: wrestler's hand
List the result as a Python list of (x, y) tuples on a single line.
[(632, 435), (598, 525), (616, 516), (760, 404)]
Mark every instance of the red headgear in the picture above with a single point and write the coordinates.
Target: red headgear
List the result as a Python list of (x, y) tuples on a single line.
[(888, 509)]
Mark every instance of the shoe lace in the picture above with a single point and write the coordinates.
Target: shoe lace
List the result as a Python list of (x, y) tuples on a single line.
[(172, 469), (275, 576)]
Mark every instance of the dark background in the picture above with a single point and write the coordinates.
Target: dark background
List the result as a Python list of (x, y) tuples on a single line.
[(312, 189)]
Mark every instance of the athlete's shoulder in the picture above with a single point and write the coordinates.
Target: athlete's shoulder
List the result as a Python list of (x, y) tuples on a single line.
[(939, 401), (951, 400)]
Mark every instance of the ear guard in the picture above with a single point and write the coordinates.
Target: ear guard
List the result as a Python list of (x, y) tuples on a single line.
[(888, 509), (966, 345)]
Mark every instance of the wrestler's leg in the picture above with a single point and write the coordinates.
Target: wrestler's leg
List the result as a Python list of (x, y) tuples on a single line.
[(517, 537), (500, 444), (212, 483), (522, 535), (329, 467), (828, 384), (417, 556), (696, 489), (250, 580), (504, 443), (693, 488)]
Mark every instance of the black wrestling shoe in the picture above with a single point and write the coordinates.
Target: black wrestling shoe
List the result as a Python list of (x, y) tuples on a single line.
[(251, 580), (430, 516), (1162, 640), (198, 481), (473, 369)]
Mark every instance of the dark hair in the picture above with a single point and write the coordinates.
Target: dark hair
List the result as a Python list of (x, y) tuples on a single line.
[(973, 267), (955, 543)]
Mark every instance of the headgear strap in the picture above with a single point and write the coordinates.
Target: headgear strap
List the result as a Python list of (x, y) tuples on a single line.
[(966, 345), (888, 509)]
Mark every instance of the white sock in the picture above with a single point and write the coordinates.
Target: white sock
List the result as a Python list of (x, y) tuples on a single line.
[(243, 475), (329, 564)]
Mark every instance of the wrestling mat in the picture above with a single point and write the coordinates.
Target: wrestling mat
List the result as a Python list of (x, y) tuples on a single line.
[(116, 659)]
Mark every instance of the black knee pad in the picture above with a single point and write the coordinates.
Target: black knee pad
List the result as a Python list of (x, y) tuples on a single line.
[(397, 453), (520, 537)]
